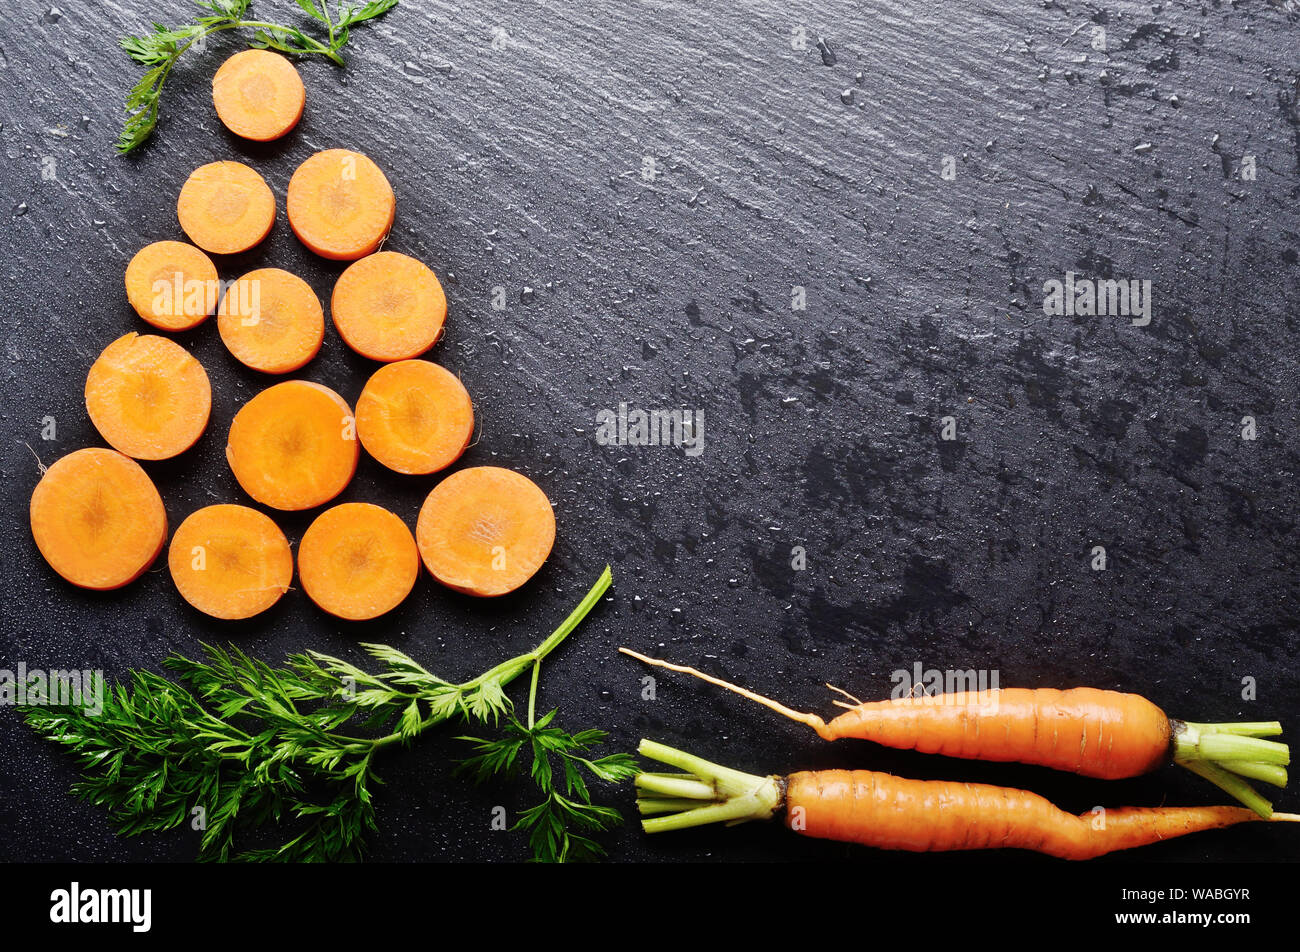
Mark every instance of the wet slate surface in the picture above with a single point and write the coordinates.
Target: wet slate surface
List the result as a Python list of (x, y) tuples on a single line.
[(778, 162)]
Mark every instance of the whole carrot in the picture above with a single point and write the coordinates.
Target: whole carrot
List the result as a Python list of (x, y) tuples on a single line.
[(895, 813), (1092, 732)]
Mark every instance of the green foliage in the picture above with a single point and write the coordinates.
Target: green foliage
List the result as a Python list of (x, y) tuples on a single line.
[(160, 49), (240, 750), (561, 827)]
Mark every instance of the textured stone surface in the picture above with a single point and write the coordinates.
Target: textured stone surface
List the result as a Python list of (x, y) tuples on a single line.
[(522, 167)]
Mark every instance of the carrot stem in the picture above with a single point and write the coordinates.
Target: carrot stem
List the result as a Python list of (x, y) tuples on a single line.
[(737, 797), (1226, 754), (1231, 784), (1265, 773)]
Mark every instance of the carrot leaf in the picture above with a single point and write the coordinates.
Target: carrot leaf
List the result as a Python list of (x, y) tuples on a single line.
[(241, 750), (163, 46)]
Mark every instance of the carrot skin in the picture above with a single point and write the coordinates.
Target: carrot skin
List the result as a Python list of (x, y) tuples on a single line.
[(1091, 732), (896, 813)]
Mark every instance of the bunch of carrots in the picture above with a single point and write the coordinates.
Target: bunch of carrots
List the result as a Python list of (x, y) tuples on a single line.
[(98, 518), (1095, 733)]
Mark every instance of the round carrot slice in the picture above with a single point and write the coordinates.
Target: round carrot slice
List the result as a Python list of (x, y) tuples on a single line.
[(98, 519), (388, 306), (230, 561), (340, 204), (271, 320), (172, 285), (225, 207), (414, 417), (293, 446), (258, 95), (485, 531), (148, 396), (357, 561)]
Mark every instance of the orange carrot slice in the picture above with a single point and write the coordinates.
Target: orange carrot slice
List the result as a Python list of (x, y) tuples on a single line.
[(340, 204), (271, 321), (148, 396), (225, 207), (293, 446), (230, 561), (258, 95), (388, 306), (414, 417), (98, 519), (357, 561), (485, 531), (172, 285)]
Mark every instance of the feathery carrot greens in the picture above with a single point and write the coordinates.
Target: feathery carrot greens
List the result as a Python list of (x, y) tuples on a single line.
[(244, 747), (160, 49), (561, 827)]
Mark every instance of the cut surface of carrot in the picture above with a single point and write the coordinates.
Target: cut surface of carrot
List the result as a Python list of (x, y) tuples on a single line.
[(271, 321), (414, 417), (357, 561), (98, 519), (172, 285), (293, 446), (258, 95), (388, 306), (230, 561), (148, 396), (340, 205), (225, 207), (485, 530)]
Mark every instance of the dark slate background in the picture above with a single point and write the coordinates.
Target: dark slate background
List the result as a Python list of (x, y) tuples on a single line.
[(520, 167)]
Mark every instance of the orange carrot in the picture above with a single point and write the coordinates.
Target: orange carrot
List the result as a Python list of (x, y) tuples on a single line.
[(172, 285), (148, 396), (485, 531), (271, 321), (414, 417), (98, 519), (293, 446), (258, 95), (225, 207), (340, 204), (358, 561), (230, 561), (1086, 731), (388, 306), (895, 813)]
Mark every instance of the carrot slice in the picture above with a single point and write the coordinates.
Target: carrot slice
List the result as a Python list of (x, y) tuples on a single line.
[(389, 306), (98, 519), (225, 207), (258, 95), (340, 204), (148, 396), (357, 561), (172, 285), (272, 321), (230, 561), (293, 446), (485, 530), (414, 417)]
